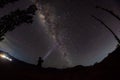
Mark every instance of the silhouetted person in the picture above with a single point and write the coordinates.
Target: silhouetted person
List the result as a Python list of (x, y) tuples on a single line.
[(40, 61)]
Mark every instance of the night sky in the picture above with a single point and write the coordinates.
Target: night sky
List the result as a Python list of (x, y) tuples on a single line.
[(63, 32)]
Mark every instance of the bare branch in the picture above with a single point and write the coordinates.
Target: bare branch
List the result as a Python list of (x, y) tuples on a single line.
[(109, 11), (116, 37)]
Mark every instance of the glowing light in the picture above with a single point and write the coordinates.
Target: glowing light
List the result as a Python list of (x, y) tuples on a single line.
[(5, 57)]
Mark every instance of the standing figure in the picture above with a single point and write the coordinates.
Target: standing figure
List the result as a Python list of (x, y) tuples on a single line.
[(40, 61)]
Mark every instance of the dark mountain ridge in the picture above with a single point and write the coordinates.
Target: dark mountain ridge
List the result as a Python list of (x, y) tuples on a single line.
[(108, 69)]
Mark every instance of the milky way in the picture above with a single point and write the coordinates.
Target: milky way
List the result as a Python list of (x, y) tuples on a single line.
[(48, 17), (53, 25)]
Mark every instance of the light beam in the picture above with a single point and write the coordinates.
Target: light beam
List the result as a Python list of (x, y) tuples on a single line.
[(50, 51)]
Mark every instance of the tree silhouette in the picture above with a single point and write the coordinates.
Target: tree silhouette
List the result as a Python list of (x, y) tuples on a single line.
[(12, 20), (5, 2), (112, 13)]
